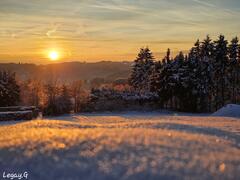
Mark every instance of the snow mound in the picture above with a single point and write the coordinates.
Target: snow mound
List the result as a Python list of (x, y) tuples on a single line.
[(230, 110)]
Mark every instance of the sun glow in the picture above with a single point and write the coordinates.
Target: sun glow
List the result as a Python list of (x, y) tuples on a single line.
[(53, 55)]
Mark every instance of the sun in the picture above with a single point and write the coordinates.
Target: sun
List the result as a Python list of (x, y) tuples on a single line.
[(53, 55)]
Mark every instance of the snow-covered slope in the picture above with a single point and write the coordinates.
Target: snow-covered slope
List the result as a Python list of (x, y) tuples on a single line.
[(230, 110), (123, 146)]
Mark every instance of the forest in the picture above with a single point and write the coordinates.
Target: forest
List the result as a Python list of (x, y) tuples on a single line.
[(203, 80)]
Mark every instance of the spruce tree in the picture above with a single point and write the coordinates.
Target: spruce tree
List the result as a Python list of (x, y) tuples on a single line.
[(238, 76), (233, 69), (162, 80), (156, 76), (206, 74), (220, 78), (142, 70), (9, 89), (160, 83), (194, 83), (168, 58), (181, 81)]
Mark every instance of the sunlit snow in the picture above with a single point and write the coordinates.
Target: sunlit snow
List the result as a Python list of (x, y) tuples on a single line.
[(122, 146)]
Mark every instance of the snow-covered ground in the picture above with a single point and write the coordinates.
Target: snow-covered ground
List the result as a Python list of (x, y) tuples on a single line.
[(122, 146), (230, 110)]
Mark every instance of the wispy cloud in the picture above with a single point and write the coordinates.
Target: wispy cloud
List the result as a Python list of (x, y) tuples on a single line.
[(215, 7), (119, 25), (204, 3), (52, 30)]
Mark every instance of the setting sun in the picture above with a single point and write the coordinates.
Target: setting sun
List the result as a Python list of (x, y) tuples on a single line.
[(53, 55)]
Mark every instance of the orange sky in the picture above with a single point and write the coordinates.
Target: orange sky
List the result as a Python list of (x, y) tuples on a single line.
[(94, 30)]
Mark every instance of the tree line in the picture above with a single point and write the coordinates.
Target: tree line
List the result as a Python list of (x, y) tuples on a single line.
[(204, 80), (52, 98)]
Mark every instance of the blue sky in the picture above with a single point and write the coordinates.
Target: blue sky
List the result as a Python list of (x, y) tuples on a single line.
[(94, 30)]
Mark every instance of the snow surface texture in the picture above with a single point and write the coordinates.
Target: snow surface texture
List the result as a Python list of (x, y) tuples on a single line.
[(230, 110), (122, 146)]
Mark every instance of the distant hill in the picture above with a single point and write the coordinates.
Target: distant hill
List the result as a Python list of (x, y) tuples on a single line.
[(70, 71)]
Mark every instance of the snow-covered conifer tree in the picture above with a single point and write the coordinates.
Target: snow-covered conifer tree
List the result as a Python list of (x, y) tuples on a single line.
[(9, 89), (142, 70), (220, 65), (206, 74), (233, 69)]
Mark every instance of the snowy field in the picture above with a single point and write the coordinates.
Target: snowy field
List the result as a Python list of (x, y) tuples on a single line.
[(138, 146)]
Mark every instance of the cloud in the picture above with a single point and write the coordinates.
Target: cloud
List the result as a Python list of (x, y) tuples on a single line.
[(171, 42), (121, 24), (204, 3), (53, 30), (50, 32), (215, 7)]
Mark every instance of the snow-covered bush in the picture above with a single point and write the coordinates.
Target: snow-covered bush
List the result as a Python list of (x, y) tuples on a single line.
[(106, 99)]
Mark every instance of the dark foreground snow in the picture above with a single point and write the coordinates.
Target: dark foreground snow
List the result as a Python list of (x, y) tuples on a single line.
[(92, 147)]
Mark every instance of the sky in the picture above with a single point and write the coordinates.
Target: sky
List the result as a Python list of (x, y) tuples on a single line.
[(96, 30)]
